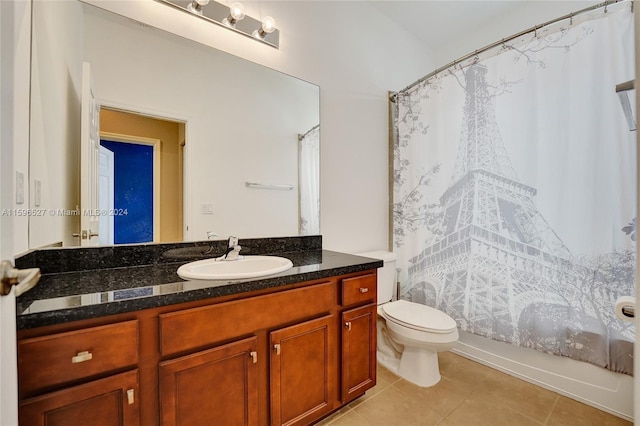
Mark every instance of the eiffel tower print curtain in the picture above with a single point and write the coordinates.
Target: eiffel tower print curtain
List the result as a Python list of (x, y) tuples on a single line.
[(514, 190)]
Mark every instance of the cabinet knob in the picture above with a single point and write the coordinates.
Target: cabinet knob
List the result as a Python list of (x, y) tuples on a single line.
[(130, 396), (276, 348), (363, 290), (81, 357), (347, 325), (254, 356)]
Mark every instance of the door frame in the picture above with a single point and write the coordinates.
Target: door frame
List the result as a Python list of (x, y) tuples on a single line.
[(156, 144), (167, 116)]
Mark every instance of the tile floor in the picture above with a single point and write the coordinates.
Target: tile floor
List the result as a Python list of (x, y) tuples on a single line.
[(468, 394)]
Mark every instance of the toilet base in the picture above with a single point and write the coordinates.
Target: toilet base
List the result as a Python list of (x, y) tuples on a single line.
[(417, 365), (389, 362)]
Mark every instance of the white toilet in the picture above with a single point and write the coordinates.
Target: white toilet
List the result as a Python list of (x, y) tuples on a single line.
[(410, 335)]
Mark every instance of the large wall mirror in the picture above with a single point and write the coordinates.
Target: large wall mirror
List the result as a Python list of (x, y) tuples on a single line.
[(222, 145)]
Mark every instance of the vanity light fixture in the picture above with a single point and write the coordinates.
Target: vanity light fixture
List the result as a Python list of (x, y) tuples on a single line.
[(267, 27), (236, 13), (231, 16)]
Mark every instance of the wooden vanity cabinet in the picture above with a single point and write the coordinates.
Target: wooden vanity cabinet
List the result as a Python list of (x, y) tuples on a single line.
[(51, 366), (302, 366), (212, 387), (358, 351), (289, 356), (359, 345)]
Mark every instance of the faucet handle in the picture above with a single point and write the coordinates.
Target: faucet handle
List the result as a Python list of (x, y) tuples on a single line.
[(233, 241), (211, 235)]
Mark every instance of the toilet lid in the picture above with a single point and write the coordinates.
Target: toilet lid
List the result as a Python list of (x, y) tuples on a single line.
[(418, 317)]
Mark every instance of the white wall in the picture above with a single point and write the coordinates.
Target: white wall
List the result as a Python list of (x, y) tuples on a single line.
[(56, 82), (526, 15), (14, 124), (355, 55)]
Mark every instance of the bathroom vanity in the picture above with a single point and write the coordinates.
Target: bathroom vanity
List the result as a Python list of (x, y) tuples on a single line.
[(137, 345)]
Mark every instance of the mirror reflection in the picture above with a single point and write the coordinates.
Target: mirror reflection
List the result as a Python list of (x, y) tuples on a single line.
[(205, 124)]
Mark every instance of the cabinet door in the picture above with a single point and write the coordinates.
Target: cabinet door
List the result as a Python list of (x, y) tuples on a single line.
[(106, 402), (358, 351), (217, 386), (303, 371)]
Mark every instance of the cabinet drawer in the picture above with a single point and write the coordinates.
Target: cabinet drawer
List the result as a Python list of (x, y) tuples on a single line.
[(113, 400), (359, 289), (199, 327), (66, 357)]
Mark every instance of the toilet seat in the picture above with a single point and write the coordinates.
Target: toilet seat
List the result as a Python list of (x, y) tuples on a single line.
[(418, 317)]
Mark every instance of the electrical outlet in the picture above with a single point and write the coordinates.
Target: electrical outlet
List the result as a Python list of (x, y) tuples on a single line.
[(207, 208), (19, 187)]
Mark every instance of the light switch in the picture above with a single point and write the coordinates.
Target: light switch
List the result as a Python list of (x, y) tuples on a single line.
[(37, 189), (19, 187)]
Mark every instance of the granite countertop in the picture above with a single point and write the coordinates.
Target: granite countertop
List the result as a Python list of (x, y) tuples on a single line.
[(71, 295)]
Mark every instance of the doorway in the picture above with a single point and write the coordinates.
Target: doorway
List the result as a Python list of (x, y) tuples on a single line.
[(146, 186), (129, 191)]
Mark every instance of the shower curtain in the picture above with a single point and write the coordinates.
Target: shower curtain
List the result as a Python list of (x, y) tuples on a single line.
[(309, 181), (514, 190)]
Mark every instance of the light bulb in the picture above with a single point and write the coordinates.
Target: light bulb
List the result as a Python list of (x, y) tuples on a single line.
[(196, 6), (236, 11), (268, 25)]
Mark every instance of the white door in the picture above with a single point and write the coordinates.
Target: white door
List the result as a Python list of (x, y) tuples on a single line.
[(89, 162), (107, 195)]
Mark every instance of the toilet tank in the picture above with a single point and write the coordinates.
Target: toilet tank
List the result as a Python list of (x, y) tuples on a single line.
[(386, 274)]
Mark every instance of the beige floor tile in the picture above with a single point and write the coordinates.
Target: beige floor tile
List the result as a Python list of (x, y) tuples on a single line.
[(384, 379), (526, 398), (350, 419), (568, 412), (463, 370), (443, 397), (369, 394), (475, 411), (392, 407), (469, 394), (385, 375), (327, 420)]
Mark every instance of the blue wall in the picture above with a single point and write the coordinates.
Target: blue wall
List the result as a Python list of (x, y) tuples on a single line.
[(133, 182)]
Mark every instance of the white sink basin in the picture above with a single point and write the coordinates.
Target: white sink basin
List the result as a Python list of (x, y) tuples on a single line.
[(245, 267)]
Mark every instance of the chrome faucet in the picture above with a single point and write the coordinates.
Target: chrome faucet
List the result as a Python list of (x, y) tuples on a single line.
[(233, 250)]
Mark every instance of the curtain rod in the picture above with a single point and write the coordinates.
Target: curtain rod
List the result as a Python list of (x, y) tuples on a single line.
[(535, 28), (301, 136)]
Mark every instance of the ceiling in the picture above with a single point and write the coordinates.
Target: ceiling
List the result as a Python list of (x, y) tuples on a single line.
[(445, 22), (435, 21)]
